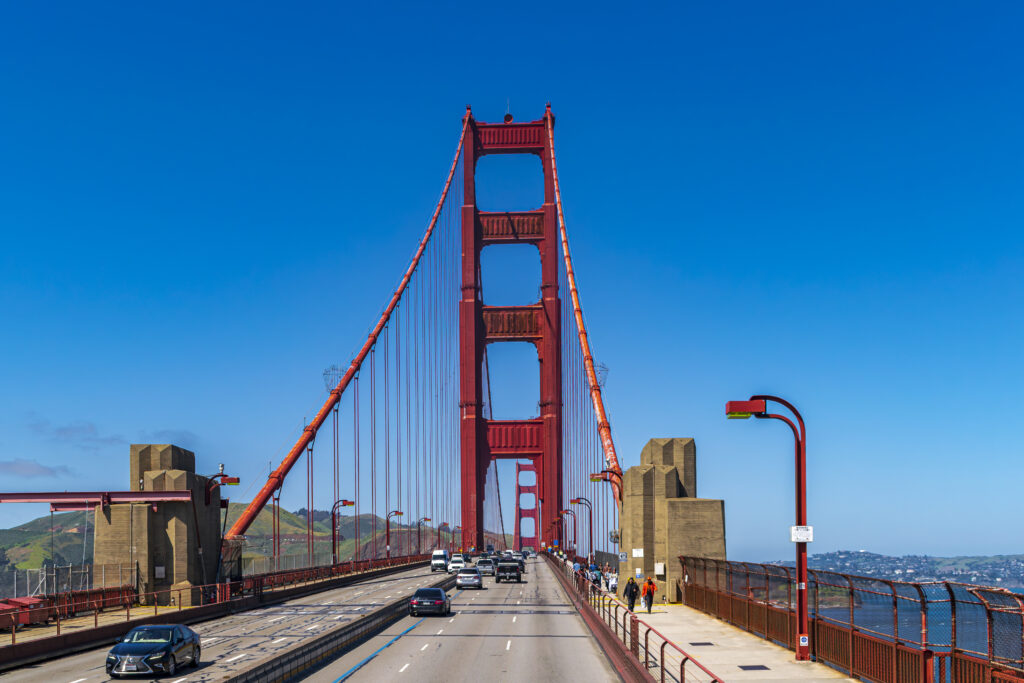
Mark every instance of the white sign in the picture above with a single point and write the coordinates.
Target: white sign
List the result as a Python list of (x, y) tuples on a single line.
[(804, 641), (622, 557), (638, 571), (659, 568), (801, 534), (638, 552)]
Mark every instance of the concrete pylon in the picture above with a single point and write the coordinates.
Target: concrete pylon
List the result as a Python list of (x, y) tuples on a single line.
[(662, 518), (175, 546)]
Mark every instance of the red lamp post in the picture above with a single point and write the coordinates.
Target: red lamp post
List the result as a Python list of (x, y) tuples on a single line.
[(800, 534), (419, 543), (387, 532), (590, 539), (334, 527), (456, 535), (442, 525), (575, 529)]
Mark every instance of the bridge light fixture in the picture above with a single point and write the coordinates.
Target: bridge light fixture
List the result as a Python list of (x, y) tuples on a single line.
[(756, 406), (742, 410)]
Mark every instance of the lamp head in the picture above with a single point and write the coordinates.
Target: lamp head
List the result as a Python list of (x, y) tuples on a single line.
[(741, 410)]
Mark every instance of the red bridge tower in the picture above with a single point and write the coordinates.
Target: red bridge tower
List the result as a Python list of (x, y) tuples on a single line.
[(540, 439)]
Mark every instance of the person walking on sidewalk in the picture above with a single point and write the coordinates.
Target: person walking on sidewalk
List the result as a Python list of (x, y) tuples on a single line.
[(647, 593), (631, 591)]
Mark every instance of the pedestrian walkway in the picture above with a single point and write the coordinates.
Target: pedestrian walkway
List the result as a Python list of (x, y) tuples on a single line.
[(726, 650)]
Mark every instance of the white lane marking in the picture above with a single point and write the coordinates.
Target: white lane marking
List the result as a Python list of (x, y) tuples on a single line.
[(179, 680), (440, 632), (310, 628), (332, 601), (271, 621), (404, 667), (424, 647), (79, 680), (513, 620), (508, 644), (275, 642), (386, 597), (518, 601), (244, 654), (203, 642), (340, 616), (451, 620)]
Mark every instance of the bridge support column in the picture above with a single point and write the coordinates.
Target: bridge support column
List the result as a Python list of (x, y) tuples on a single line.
[(539, 438)]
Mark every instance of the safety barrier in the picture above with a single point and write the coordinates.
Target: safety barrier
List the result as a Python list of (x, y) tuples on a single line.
[(872, 629), (647, 645)]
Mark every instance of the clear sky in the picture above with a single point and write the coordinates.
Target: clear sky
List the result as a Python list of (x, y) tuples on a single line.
[(204, 205)]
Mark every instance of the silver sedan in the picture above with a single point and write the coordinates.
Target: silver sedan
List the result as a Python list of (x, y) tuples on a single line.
[(469, 578)]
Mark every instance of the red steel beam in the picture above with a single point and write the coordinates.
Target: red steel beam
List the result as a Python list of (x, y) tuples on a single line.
[(276, 478), (603, 426), (93, 498)]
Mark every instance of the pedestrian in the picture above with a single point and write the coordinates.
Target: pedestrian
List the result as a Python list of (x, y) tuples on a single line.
[(647, 593), (630, 592), (613, 582)]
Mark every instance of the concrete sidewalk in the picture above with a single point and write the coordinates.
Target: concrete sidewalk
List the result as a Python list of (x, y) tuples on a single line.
[(723, 648)]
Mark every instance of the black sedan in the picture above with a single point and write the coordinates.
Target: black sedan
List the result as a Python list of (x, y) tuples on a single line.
[(430, 601), (157, 649)]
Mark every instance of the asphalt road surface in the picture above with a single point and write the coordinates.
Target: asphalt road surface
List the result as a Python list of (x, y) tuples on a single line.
[(510, 631), (229, 644)]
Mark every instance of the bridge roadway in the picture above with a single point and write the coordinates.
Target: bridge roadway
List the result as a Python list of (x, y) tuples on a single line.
[(231, 643), (509, 631)]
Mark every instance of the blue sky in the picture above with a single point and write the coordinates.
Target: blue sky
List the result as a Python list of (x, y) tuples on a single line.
[(201, 207)]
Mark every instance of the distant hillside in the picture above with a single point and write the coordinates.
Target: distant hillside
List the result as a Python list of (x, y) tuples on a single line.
[(27, 546), (1006, 571)]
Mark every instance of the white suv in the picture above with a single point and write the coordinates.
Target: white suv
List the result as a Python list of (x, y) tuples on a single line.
[(456, 564)]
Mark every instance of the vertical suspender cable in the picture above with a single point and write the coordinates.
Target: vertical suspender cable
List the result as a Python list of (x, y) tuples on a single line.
[(603, 426)]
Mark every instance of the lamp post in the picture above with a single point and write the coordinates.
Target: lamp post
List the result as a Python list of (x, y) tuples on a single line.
[(575, 528), (606, 475), (419, 543), (442, 525), (800, 534), (590, 508), (334, 526), (455, 536), (387, 532)]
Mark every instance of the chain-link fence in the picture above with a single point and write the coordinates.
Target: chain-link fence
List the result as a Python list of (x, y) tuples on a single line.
[(52, 579), (265, 564)]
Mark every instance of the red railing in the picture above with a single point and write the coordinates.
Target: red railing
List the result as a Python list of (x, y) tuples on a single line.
[(125, 598), (873, 629), (662, 658)]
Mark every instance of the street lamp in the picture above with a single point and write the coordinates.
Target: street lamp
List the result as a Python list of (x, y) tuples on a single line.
[(457, 530), (575, 528), (800, 534), (606, 475), (442, 525), (387, 533), (419, 544), (334, 527), (590, 508)]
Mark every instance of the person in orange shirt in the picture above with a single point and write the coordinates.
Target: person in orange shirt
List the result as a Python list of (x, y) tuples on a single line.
[(647, 593)]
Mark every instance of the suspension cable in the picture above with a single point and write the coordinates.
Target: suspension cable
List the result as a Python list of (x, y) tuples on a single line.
[(276, 477), (603, 426)]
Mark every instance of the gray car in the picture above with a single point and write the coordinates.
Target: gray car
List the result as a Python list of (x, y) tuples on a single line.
[(486, 567), (469, 577)]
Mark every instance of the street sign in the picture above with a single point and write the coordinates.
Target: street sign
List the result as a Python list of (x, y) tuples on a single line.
[(801, 534), (622, 557), (638, 552), (554, 542)]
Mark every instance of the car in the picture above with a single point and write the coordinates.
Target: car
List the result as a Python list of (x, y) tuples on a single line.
[(456, 564), (486, 566), (508, 570), (430, 601), (439, 561), (154, 649), (469, 577)]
